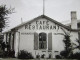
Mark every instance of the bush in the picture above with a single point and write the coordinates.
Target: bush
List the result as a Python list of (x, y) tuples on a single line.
[(38, 56), (42, 56), (58, 57), (25, 55), (75, 56), (72, 56), (11, 53), (1, 53)]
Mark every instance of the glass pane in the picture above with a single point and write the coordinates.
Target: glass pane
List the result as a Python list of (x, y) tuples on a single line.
[(42, 40)]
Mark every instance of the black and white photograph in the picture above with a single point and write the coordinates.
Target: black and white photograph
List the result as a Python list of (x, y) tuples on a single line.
[(39, 29)]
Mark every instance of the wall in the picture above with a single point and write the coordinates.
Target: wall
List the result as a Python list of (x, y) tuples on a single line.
[(27, 37)]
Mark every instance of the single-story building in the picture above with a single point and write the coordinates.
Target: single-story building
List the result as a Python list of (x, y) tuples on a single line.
[(42, 35)]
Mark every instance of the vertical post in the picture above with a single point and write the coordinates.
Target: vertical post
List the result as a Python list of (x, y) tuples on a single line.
[(43, 7), (17, 43)]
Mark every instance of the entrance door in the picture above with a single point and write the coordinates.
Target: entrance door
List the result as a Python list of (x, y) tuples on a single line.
[(42, 40)]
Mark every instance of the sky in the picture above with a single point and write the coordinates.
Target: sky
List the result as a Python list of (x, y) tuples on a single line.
[(58, 10)]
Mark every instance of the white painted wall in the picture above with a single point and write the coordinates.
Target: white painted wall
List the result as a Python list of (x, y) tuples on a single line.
[(27, 41)]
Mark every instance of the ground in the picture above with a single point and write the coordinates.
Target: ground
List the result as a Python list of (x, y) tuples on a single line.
[(33, 59)]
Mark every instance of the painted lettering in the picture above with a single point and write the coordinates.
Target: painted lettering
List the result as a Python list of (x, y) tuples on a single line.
[(42, 25)]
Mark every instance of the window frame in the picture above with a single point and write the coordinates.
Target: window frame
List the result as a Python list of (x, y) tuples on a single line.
[(45, 46)]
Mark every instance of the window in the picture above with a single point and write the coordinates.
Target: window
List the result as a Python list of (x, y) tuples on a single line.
[(42, 41)]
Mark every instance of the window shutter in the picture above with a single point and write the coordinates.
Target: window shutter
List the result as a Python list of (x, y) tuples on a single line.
[(45, 44), (45, 41), (50, 41), (35, 41)]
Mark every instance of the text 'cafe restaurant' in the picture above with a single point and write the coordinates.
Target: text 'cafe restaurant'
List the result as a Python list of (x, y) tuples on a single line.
[(42, 35)]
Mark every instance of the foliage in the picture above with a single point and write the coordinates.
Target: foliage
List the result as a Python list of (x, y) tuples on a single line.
[(77, 46), (10, 53), (58, 56), (75, 56), (66, 53), (6, 51), (42, 56), (4, 11), (49, 56), (1, 53), (38, 56), (68, 49), (1, 38), (25, 55)]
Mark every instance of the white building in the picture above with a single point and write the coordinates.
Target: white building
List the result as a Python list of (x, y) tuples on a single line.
[(41, 35)]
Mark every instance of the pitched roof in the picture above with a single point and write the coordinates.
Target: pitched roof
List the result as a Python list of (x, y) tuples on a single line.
[(44, 16)]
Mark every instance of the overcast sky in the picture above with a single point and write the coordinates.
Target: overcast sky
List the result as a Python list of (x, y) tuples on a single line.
[(58, 10)]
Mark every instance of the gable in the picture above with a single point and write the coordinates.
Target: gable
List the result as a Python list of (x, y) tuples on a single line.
[(55, 23), (48, 18), (42, 22)]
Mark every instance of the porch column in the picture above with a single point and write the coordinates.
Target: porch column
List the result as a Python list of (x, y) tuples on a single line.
[(4, 37), (16, 44)]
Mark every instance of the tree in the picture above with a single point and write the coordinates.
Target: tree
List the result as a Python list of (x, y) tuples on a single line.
[(67, 52), (68, 48), (4, 11), (77, 46)]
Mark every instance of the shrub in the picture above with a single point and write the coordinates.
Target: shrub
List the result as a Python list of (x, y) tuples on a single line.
[(42, 56), (58, 57), (75, 56), (25, 55), (1, 53), (37, 56), (11, 53), (49, 56)]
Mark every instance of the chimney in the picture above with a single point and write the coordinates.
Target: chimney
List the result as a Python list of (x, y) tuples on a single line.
[(73, 20)]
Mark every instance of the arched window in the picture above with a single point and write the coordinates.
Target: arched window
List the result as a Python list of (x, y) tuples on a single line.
[(42, 40)]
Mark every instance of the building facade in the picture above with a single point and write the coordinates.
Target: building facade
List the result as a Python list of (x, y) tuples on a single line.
[(41, 35)]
